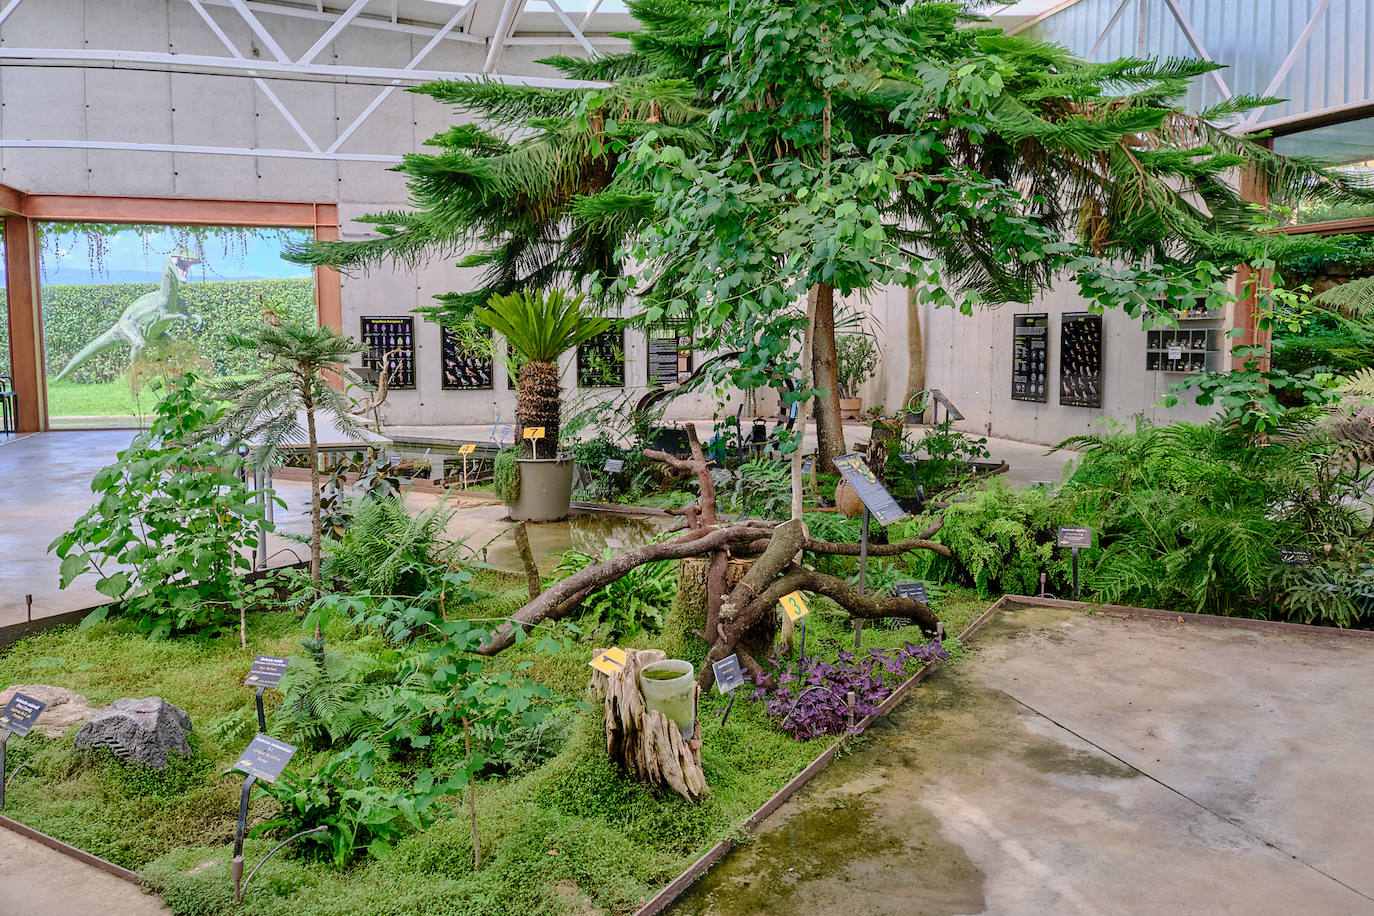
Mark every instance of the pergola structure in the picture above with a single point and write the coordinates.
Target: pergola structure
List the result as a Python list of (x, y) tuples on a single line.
[(249, 41)]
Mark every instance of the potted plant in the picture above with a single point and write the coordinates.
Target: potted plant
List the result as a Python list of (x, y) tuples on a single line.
[(857, 355), (539, 327)]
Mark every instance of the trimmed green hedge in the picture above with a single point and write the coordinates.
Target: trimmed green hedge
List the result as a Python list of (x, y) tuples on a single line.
[(74, 315)]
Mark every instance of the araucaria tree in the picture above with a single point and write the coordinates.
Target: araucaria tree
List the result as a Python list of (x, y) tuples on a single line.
[(289, 385), (744, 155)]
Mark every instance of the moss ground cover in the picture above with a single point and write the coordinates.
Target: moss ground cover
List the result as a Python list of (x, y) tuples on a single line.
[(573, 835)]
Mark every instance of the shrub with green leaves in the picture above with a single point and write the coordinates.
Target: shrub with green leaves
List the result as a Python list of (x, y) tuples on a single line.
[(170, 533), (636, 601), (387, 551)]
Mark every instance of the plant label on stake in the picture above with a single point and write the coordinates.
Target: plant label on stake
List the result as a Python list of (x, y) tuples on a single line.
[(1076, 539), (465, 450), (878, 503), (794, 606), (264, 759), (914, 590), (533, 433), (266, 672), (729, 677), (614, 465), (909, 457), (610, 662), (18, 717)]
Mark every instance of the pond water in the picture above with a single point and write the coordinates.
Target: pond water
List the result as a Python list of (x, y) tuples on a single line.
[(589, 533)]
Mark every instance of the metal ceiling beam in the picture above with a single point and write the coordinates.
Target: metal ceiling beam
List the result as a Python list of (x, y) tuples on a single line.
[(186, 148), (510, 12), (259, 30), (1287, 66), (337, 26), (1199, 49), (1111, 24), (9, 8)]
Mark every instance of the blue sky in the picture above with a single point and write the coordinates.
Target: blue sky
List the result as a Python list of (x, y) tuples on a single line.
[(67, 257)]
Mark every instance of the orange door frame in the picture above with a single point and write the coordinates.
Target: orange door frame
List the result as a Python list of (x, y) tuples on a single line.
[(21, 211)]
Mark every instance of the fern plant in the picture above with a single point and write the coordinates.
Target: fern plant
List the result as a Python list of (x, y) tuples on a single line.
[(636, 601), (388, 551)]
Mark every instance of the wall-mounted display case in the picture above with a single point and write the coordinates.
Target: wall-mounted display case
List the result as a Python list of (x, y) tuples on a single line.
[(394, 340), (1080, 360), (1030, 346)]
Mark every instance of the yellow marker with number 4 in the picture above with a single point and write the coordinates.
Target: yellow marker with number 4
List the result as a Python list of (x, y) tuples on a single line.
[(610, 662), (795, 606)]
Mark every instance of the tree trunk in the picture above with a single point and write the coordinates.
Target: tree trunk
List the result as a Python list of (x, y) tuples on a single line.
[(538, 402), (315, 525), (803, 409), (825, 373), (915, 349)]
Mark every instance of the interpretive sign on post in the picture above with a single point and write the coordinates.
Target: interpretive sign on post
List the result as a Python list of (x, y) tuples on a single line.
[(875, 497), (909, 457), (1075, 539), (265, 758), (914, 590), (614, 465), (17, 718), (729, 678), (20, 714), (266, 671)]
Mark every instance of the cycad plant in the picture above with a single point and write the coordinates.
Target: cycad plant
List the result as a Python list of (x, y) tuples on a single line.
[(539, 327), (290, 383)]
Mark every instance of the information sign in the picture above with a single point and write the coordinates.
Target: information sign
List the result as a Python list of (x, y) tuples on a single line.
[(1030, 358), (1075, 537), (20, 714), (873, 493), (266, 671), (265, 758), (729, 676), (914, 590), (909, 457), (614, 465)]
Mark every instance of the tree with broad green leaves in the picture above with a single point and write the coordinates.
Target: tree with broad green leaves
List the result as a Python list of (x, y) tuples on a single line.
[(746, 157)]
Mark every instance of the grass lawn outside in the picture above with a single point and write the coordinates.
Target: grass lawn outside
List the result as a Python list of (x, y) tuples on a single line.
[(573, 835), (103, 399)]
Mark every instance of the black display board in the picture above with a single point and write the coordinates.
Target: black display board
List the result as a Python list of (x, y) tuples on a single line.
[(265, 758), (728, 674), (601, 361), (1080, 360), (670, 356), (463, 371), (19, 715), (1075, 537), (266, 671), (874, 495), (913, 590), (393, 338), (1030, 352)]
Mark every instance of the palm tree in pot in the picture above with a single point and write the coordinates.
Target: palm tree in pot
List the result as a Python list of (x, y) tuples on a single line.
[(540, 326)]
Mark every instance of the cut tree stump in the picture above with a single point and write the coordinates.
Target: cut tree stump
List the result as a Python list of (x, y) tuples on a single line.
[(646, 743)]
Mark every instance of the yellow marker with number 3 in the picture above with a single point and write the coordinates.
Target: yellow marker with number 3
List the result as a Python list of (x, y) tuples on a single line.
[(795, 606)]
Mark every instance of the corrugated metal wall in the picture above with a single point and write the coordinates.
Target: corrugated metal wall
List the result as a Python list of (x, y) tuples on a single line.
[(1251, 37)]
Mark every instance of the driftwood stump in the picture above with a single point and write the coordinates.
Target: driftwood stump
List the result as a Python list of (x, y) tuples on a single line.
[(646, 743)]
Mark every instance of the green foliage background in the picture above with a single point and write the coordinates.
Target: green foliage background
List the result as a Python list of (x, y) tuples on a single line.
[(74, 315)]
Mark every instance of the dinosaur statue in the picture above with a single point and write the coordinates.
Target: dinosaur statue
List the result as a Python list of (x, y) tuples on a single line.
[(148, 317)]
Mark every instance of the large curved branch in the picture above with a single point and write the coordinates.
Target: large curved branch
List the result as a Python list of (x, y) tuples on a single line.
[(863, 606), (554, 602)]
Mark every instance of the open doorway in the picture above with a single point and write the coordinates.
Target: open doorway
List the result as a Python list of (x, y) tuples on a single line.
[(125, 306)]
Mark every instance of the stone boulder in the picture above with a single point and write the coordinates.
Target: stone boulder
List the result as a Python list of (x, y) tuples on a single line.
[(145, 732), (65, 707)]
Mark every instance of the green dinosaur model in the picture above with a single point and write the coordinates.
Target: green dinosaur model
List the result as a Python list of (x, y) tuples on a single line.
[(148, 317)]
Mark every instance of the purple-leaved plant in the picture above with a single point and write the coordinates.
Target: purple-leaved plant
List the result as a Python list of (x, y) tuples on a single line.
[(819, 704)]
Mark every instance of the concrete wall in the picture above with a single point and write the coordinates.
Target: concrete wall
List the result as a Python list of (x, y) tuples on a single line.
[(969, 359), (198, 109)]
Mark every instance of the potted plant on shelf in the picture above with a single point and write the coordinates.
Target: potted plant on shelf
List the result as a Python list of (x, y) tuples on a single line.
[(539, 327), (857, 355)]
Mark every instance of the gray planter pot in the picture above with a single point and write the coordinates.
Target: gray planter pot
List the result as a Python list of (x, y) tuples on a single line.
[(545, 490)]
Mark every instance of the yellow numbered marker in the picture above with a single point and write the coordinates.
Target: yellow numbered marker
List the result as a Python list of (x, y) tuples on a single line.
[(467, 449), (534, 432), (610, 662), (795, 606)]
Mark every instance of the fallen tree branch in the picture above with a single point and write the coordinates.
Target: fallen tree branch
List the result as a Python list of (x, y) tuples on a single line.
[(920, 542)]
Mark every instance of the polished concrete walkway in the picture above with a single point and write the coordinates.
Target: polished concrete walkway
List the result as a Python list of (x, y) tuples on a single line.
[(1089, 765), (38, 881)]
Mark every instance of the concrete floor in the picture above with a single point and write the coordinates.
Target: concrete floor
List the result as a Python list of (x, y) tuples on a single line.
[(38, 881), (45, 486), (1087, 765)]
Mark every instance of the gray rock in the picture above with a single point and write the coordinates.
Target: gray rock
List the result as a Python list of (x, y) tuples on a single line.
[(145, 731), (65, 707)]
